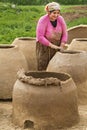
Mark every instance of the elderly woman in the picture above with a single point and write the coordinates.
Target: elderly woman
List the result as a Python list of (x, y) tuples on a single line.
[(51, 35)]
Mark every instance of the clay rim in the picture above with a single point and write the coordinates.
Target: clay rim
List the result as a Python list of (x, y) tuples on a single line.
[(43, 78), (5, 46), (77, 27), (71, 51), (81, 39), (26, 38)]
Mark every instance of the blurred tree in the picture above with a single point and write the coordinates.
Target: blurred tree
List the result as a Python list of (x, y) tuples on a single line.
[(43, 2)]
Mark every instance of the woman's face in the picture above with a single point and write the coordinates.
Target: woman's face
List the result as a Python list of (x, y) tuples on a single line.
[(53, 15)]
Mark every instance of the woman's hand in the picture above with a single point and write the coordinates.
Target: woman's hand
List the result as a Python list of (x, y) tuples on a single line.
[(64, 46), (54, 46)]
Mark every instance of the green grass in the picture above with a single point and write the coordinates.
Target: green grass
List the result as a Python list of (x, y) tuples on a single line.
[(22, 20), (77, 22)]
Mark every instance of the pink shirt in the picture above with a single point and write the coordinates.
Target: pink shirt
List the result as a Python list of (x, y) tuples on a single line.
[(45, 30)]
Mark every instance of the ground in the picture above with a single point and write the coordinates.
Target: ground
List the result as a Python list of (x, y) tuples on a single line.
[(6, 107), (78, 12)]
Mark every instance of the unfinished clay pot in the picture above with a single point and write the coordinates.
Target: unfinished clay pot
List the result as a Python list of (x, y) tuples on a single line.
[(74, 63), (11, 60), (28, 46), (79, 31), (45, 100), (78, 44)]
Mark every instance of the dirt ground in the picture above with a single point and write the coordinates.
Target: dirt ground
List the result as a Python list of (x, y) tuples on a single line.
[(78, 12), (6, 107)]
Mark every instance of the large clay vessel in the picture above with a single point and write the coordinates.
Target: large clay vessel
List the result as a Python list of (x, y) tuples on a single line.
[(11, 60), (78, 44), (79, 31), (45, 100), (74, 63), (28, 46)]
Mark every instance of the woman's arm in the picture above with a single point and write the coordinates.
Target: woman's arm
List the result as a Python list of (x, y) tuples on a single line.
[(64, 31), (40, 31)]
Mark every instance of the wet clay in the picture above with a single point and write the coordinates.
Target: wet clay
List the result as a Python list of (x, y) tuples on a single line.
[(78, 44), (11, 60), (27, 45), (79, 31), (75, 64), (45, 100)]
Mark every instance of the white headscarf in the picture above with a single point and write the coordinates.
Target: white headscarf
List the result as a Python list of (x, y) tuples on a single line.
[(52, 6)]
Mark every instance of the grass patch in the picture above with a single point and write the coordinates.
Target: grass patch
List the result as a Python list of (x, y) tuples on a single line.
[(77, 22)]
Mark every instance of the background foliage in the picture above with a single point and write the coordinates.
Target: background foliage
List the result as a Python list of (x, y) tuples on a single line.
[(21, 21), (40, 2)]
